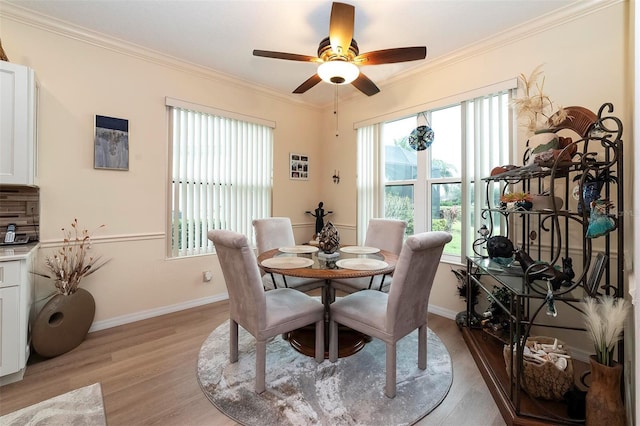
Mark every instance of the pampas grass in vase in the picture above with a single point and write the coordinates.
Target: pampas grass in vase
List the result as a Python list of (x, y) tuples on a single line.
[(604, 318), (535, 107)]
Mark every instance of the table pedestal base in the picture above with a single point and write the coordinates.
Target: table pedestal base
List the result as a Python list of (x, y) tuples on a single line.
[(350, 341)]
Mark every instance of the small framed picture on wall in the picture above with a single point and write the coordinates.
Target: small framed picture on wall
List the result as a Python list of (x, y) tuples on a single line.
[(298, 166), (111, 143)]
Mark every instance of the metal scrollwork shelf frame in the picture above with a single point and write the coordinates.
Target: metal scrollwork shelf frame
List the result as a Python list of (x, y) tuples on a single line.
[(596, 152)]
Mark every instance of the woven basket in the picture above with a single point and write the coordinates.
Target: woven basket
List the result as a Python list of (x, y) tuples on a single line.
[(544, 381)]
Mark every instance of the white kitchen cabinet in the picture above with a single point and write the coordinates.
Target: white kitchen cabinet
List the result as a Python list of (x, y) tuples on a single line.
[(9, 317), (16, 301), (18, 125)]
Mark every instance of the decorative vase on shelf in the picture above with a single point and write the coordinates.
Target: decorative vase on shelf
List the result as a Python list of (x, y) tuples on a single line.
[(604, 401), (543, 140), (63, 323), (523, 205)]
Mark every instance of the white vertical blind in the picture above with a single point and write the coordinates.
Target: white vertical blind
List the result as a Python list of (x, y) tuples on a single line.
[(221, 177), (487, 137), (370, 179)]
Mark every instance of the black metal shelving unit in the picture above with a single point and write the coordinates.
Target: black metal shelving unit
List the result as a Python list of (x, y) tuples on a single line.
[(549, 236)]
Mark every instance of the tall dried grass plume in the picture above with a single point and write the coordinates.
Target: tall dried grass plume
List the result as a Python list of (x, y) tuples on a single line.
[(535, 108), (604, 317)]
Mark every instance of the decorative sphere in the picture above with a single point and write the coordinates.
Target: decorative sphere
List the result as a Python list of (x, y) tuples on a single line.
[(329, 240)]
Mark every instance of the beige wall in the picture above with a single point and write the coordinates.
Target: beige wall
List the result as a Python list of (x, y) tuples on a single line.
[(80, 79), (583, 66)]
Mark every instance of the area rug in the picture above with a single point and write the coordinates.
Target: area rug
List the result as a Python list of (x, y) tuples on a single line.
[(303, 392), (81, 407)]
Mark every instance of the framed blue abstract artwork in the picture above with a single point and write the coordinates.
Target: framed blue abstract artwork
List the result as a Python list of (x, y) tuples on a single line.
[(111, 143)]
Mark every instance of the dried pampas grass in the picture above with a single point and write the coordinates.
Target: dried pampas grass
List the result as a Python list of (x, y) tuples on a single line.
[(3, 56), (535, 108), (72, 261), (604, 318)]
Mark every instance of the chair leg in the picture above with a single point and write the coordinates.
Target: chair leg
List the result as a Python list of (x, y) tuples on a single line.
[(333, 341), (422, 347), (320, 341), (233, 341), (261, 358), (390, 386)]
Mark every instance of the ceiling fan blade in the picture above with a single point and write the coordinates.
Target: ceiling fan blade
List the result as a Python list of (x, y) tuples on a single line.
[(390, 56), (366, 86), (308, 84), (287, 56), (341, 27)]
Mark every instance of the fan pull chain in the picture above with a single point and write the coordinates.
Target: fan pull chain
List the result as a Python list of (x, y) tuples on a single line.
[(335, 108)]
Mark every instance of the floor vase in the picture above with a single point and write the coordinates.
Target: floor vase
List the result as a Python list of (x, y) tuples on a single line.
[(63, 323), (604, 400)]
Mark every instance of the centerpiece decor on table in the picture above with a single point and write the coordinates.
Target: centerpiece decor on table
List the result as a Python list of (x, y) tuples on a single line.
[(329, 239), (65, 319), (604, 318), (329, 242)]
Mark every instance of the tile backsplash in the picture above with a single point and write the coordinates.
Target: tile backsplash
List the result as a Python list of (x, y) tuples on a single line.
[(20, 205)]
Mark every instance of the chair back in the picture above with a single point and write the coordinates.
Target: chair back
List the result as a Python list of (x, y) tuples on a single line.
[(412, 281), (247, 303), (273, 232), (386, 234)]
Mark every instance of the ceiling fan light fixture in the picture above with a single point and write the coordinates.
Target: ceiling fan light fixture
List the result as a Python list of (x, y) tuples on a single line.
[(338, 72)]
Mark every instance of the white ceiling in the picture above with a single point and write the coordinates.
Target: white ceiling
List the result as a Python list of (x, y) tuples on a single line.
[(221, 34)]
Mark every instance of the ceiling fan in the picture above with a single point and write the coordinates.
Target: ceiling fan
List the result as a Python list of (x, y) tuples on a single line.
[(339, 57)]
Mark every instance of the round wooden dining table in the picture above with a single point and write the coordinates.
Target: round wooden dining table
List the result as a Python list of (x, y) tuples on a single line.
[(328, 268)]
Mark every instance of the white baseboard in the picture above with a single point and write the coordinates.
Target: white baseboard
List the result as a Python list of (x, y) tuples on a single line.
[(447, 313), (150, 313)]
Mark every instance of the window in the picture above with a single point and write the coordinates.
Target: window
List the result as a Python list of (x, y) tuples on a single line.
[(221, 176), (438, 188)]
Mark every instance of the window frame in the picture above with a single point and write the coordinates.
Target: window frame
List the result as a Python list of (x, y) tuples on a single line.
[(239, 199), (423, 184)]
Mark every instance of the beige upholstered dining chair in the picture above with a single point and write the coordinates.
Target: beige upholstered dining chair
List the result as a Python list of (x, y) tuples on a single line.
[(263, 314), (276, 232), (385, 234), (390, 317)]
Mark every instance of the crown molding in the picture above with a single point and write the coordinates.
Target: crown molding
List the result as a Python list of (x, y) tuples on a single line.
[(64, 29), (562, 16), (576, 10)]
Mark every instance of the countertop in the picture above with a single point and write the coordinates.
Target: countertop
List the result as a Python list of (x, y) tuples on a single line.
[(16, 252)]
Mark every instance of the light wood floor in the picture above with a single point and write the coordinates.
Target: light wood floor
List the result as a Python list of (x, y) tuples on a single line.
[(148, 374)]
